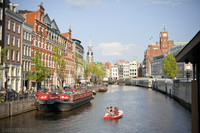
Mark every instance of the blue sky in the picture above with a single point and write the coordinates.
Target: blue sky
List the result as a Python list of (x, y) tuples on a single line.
[(121, 29)]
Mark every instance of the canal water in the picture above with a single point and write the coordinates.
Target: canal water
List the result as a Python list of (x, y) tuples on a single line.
[(145, 111)]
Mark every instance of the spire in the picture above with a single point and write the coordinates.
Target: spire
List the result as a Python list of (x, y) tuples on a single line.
[(69, 28), (164, 28), (90, 42), (41, 5)]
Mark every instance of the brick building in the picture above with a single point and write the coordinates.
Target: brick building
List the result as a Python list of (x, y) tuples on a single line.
[(12, 42), (46, 35), (163, 46)]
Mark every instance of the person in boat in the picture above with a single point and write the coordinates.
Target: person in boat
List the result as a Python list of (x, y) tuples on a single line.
[(107, 110), (111, 111), (116, 111)]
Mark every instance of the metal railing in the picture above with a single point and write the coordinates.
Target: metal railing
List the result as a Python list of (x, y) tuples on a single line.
[(16, 97)]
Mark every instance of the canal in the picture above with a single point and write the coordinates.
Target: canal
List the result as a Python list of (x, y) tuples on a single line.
[(145, 111)]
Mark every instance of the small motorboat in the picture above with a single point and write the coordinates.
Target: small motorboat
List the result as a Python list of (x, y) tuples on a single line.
[(93, 92), (107, 115), (103, 89)]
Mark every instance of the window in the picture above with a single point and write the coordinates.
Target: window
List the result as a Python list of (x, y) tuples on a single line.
[(26, 51), (0, 32), (1, 13), (12, 54), (13, 26), (13, 40), (17, 55), (24, 47), (33, 41), (24, 34), (7, 54), (30, 51), (29, 36), (1, 1), (7, 39), (18, 28), (17, 43), (8, 24), (38, 41)]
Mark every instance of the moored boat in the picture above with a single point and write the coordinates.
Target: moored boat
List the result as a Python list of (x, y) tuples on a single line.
[(107, 115), (103, 89), (62, 102)]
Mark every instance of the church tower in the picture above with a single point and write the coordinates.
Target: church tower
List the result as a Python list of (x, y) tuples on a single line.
[(90, 53)]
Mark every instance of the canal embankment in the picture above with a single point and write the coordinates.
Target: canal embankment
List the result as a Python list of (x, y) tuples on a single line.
[(180, 90), (16, 107)]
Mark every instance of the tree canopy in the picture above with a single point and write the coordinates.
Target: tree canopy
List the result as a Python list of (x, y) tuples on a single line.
[(60, 63), (39, 71), (96, 70), (170, 66)]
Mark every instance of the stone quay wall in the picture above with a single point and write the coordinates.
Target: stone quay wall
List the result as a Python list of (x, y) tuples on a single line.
[(180, 90), (16, 107)]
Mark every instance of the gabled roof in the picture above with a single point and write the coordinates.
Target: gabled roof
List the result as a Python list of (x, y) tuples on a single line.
[(47, 19), (66, 35), (54, 25), (30, 17)]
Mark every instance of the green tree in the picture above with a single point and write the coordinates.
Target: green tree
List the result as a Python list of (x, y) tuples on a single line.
[(39, 71), (76, 68), (86, 70), (170, 66), (60, 63), (100, 72), (3, 60)]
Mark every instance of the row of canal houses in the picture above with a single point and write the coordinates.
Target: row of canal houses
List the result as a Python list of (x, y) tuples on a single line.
[(23, 33)]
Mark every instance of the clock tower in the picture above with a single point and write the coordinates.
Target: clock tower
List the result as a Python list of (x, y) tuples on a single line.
[(164, 41)]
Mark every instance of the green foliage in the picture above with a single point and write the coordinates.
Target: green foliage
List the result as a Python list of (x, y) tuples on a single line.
[(76, 68), (97, 70), (170, 66), (39, 72), (60, 63)]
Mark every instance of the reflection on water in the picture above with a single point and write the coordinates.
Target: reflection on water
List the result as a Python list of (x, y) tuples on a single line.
[(144, 111)]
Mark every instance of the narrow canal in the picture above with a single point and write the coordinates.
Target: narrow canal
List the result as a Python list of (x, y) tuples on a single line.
[(145, 111)]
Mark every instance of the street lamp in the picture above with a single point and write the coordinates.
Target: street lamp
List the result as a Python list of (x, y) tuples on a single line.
[(6, 75), (187, 73)]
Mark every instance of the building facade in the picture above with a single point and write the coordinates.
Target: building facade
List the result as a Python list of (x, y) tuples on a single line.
[(133, 66), (157, 63), (126, 70), (163, 46), (26, 53), (115, 72), (2, 27), (46, 35), (12, 42), (79, 51)]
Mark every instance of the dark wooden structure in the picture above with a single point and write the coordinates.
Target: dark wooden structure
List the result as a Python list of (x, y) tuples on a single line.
[(191, 53)]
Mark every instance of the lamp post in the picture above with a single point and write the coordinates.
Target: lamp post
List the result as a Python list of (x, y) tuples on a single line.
[(187, 73)]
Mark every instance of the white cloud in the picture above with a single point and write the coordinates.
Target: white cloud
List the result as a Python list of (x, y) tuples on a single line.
[(165, 2), (114, 48), (83, 3)]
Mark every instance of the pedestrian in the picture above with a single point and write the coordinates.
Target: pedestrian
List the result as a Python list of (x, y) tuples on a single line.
[(24, 88), (47, 89)]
